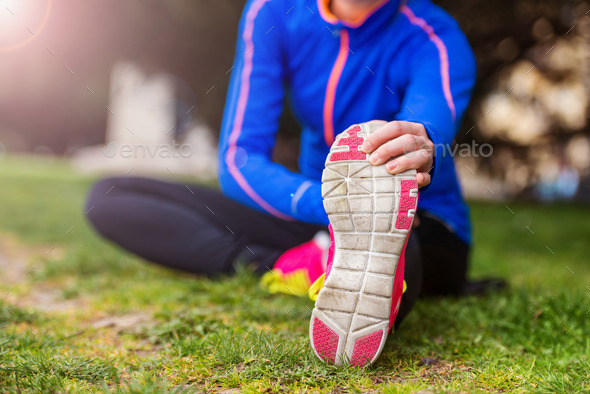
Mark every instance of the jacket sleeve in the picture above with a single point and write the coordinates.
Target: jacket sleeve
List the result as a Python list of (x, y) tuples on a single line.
[(251, 117), (440, 85)]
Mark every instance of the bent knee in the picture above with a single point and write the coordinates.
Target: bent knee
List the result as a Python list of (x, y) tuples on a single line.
[(98, 209)]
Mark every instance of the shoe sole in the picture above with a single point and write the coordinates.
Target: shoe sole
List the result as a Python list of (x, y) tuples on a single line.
[(371, 213)]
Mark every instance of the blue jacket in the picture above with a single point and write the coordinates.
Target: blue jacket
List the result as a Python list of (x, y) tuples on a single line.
[(401, 61)]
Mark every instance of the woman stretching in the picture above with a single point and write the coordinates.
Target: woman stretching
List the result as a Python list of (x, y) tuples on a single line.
[(379, 88)]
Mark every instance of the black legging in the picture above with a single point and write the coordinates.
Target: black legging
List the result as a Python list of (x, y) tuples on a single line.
[(199, 230)]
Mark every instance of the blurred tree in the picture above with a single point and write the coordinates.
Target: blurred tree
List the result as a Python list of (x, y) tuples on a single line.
[(531, 99)]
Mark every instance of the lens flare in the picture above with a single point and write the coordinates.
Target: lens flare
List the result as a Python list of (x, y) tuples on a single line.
[(21, 22)]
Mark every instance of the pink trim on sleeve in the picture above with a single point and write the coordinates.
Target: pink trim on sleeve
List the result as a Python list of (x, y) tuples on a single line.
[(241, 111), (442, 54)]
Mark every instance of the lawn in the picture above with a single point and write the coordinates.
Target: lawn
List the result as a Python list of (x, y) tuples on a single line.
[(77, 314)]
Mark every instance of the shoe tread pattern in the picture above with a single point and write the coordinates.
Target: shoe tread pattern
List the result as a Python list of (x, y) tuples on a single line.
[(362, 202)]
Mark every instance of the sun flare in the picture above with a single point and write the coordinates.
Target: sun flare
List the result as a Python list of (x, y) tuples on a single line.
[(21, 22)]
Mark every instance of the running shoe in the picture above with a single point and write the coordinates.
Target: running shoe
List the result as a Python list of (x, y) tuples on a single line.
[(298, 268), (371, 213)]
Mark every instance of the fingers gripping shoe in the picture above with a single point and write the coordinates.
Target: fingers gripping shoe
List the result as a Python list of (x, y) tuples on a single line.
[(371, 214)]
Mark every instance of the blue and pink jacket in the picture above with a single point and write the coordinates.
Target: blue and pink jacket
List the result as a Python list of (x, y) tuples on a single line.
[(401, 61)]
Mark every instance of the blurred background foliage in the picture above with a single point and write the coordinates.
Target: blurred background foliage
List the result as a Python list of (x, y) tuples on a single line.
[(530, 103)]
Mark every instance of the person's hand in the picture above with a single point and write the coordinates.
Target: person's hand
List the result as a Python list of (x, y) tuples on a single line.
[(407, 144)]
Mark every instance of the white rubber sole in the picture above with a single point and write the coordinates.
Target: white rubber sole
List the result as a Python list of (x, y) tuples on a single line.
[(351, 318)]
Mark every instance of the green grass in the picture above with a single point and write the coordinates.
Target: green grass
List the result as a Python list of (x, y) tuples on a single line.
[(79, 314)]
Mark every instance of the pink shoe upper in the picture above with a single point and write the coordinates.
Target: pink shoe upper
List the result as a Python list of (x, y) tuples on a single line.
[(308, 260), (308, 256), (298, 268)]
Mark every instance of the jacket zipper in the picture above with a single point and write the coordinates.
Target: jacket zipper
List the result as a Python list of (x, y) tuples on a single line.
[(333, 85)]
